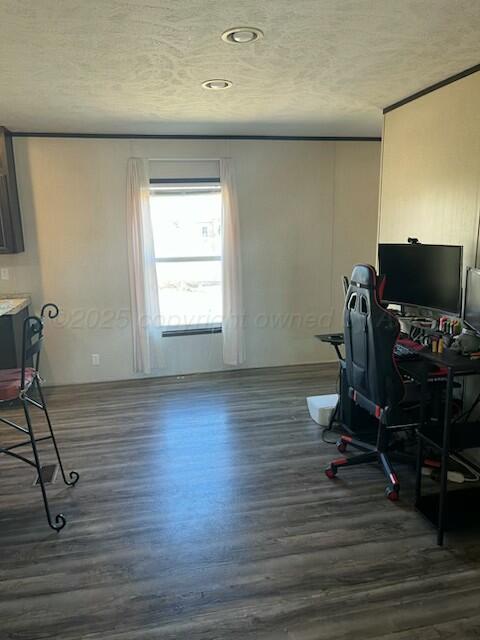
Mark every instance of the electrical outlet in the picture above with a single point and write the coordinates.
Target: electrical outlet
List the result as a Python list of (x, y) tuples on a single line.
[(95, 359), (4, 274)]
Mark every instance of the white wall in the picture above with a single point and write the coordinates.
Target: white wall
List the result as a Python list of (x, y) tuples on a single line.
[(430, 177), (308, 213), (431, 168)]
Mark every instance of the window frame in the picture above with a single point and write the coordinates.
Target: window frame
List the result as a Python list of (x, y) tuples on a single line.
[(176, 186)]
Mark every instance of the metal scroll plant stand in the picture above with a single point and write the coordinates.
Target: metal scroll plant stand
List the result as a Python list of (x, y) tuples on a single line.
[(24, 383)]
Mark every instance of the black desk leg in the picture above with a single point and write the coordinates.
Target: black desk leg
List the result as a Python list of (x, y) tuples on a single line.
[(418, 480), (445, 451)]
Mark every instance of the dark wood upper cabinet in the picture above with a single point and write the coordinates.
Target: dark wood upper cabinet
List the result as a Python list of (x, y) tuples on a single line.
[(11, 234)]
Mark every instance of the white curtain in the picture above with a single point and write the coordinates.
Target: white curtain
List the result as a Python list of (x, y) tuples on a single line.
[(233, 312), (145, 308)]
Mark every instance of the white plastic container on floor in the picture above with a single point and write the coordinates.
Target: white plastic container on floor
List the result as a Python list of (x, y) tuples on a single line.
[(322, 407)]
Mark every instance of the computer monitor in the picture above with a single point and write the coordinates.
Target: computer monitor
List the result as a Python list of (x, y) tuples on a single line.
[(471, 312), (422, 275)]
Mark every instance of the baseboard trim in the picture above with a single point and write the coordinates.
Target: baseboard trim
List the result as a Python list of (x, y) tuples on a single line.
[(327, 364)]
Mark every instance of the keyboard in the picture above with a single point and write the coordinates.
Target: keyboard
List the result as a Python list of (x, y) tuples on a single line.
[(405, 353)]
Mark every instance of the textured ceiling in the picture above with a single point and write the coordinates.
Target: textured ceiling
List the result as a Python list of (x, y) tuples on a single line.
[(325, 67)]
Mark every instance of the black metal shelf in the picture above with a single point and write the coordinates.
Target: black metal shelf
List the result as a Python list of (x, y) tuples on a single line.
[(463, 436), (463, 507)]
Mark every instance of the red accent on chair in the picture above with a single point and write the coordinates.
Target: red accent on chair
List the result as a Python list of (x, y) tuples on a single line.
[(381, 282), (393, 479), (11, 380), (339, 462), (378, 411)]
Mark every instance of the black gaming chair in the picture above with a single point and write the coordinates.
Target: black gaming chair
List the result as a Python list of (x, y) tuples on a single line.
[(373, 379)]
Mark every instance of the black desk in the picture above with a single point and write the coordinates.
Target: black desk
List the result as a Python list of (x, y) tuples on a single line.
[(436, 507), (336, 340)]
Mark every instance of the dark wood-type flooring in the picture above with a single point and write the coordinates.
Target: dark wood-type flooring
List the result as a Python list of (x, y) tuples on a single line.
[(202, 513)]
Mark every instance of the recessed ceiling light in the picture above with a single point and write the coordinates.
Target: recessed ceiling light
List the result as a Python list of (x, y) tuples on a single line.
[(217, 84), (242, 35)]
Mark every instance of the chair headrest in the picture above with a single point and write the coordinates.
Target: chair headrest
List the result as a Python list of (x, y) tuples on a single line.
[(364, 275)]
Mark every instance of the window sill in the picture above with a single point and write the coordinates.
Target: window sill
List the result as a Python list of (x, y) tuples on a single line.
[(172, 333)]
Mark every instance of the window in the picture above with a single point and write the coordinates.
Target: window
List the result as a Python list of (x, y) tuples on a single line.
[(186, 221)]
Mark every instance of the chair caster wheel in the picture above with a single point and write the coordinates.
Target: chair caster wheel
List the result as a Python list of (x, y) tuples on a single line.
[(341, 446), (331, 471), (392, 494)]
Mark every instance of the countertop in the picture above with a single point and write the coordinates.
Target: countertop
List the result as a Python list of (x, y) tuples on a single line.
[(11, 305)]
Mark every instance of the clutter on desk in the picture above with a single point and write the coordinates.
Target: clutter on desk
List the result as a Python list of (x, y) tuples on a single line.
[(451, 326), (467, 343), (439, 334)]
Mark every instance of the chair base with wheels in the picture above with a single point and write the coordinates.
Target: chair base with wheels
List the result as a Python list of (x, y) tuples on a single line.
[(372, 454)]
